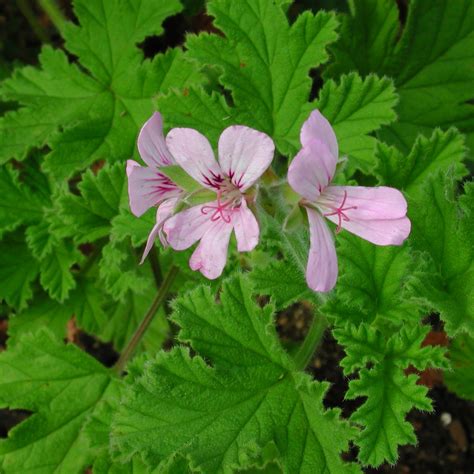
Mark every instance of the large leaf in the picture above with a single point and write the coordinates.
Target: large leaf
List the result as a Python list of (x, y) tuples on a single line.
[(252, 397), (443, 230), (264, 62), (100, 104), (373, 285), (61, 386), (355, 108), (431, 61)]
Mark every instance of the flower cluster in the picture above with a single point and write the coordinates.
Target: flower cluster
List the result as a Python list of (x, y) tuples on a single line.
[(377, 214)]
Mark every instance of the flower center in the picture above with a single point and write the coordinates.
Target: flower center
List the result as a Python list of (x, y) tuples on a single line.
[(339, 211), (228, 202)]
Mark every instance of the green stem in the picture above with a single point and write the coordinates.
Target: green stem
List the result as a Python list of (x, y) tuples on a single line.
[(147, 319), (316, 331), (26, 10), (155, 266), (54, 13)]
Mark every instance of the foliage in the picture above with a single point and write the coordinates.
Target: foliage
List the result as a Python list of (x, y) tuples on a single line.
[(212, 388)]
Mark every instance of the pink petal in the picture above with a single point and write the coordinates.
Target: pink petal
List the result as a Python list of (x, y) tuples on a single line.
[(210, 255), (193, 152), (321, 271), (147, 187), (164, 211), (318, 128), (187, 227), (311, 170), (152, 145), (244, 154), (246, 228), (376, 214)]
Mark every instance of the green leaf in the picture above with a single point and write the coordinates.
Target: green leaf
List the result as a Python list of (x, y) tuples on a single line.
[(251, 397), (431, 62), (87, 303), (283, 281), (195, 108), (89, 215), (55, 270), (127, 225), (461, 379), (99, 104), (443, 230), (355, 108), (43, 312), (390, 394), (62, 386), (442, 152), (120, 270), (18, 269), (39, 239), (371, 23), (19, 204), (374, 283), (264, 62)]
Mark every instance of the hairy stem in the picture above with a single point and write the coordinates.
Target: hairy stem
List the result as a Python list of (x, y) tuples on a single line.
[(316, 332), (147, 319), (25, 8), (155, 266), (55, 14)]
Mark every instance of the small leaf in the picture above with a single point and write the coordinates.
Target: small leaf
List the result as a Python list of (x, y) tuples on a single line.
[(18, 269), (19, 204), (390, 393), (442, 152), (55, 270), (89, 215), (461, 379)]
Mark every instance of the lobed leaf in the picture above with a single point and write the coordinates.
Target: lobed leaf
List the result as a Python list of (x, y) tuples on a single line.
[(390, 393), (44, 376), (442, 230), (252, 397)]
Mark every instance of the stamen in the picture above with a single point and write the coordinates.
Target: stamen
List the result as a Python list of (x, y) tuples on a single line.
[(220, 210), (339, 211)]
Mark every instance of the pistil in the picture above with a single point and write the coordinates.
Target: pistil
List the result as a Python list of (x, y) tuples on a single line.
[(339, 211)]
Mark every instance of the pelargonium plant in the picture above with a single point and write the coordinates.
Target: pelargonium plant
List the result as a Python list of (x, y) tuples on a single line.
[(185, 236)]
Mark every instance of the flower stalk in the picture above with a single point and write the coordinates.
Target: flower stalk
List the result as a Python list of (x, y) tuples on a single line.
[(147, 319), (312, 340), (54, 12)]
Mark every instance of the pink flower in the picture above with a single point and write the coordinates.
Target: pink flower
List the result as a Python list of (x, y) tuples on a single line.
[(376, 214), (244, 154), (147, 187)]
